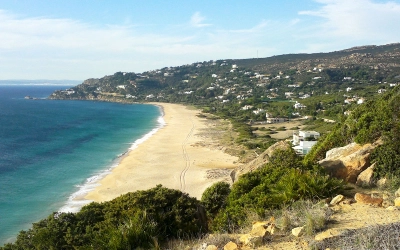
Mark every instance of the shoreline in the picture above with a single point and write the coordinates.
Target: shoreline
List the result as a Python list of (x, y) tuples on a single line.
[(177, 155), (77, 199)]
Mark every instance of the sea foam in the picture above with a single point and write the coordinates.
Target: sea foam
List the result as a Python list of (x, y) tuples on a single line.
[(76, 200)]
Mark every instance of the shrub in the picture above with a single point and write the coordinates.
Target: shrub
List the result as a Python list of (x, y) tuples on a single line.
[(214, 198), (138, 219), (279, 183)]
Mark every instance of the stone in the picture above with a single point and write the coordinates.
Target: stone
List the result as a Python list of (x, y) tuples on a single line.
[(203, 246), (397, 202), (262, 228), (336, 199), (212, 247), (365, 179), (392, 208), (250, 240), (231, 246), (347, 162), (397, 193), (298, 231), (327, 234), (367, 199), (381, 182)]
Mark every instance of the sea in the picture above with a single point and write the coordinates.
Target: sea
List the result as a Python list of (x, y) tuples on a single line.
[(52, 151)]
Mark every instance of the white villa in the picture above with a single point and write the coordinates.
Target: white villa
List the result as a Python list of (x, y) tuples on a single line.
[(303, 141), (298, 105)]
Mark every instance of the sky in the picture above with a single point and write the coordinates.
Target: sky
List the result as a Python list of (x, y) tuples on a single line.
[(81, 39)]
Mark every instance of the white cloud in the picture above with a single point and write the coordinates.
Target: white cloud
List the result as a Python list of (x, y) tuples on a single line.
[(43, 47), (197, 20), (357, 20)]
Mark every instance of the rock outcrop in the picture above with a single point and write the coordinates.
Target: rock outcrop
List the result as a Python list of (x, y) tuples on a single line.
[(261, 160), (348, 162), (365, 179), (368, 200)]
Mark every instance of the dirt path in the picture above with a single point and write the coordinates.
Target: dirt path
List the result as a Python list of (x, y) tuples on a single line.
[(186, 158)]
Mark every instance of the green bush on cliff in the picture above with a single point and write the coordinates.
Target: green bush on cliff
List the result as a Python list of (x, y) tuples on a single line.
[(280, 182), (214, 198), (134, 220), (366, 124)]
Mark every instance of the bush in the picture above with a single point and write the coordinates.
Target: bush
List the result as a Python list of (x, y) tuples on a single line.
[(278, 184), (214, 198), (138, 219)]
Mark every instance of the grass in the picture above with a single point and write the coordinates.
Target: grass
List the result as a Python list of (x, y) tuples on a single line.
[(373, 237)]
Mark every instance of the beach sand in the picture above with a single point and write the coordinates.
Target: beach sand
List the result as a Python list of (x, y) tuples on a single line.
[(177, 156)]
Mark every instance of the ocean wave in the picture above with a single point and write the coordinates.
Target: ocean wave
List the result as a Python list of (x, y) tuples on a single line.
[(77, 200)]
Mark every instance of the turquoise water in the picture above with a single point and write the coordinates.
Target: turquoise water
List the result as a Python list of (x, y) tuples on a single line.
[(51, 151)]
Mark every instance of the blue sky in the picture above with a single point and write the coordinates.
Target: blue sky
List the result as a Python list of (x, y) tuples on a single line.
[(80, 39)]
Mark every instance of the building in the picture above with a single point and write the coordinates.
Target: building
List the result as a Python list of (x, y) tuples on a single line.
[(303, 141), (271, 120), (298, 105), (304, 147)]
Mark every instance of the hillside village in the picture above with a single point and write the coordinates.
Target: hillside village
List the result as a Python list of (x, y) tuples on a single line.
[(254, 86)]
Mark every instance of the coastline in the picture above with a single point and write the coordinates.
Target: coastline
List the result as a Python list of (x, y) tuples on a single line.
[(177, 155)]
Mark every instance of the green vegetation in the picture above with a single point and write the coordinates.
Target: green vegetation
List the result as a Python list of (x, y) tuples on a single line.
[(377, 119), (283, 180), (148, 219), (140, 219)]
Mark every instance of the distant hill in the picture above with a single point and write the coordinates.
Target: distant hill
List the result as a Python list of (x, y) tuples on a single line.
[(40, 82), (201, 82)]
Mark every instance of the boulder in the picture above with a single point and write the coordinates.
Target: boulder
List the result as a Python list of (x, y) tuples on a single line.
[(336, 199), (262, 228), (231, 246), (336, 153), (251, 240), (381, 182), (212, 247), (397, 202), (333, 232), (397, 193), (298, 231), (364, 179), (260, 161), (347, 162), (367, 199)]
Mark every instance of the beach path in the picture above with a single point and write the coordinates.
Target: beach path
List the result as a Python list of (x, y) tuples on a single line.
[(176, 156)]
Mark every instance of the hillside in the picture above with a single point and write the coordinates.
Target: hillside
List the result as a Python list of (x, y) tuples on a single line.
[(235, 81), (312, 88)]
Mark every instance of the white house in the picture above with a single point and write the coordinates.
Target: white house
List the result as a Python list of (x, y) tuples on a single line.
[(258, 111), (271, 120), (304, 147), (298, 105), (360, 101), (247, 107), (303, 141)]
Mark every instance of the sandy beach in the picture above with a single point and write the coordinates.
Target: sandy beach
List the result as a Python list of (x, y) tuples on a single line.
[(177, 156)]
